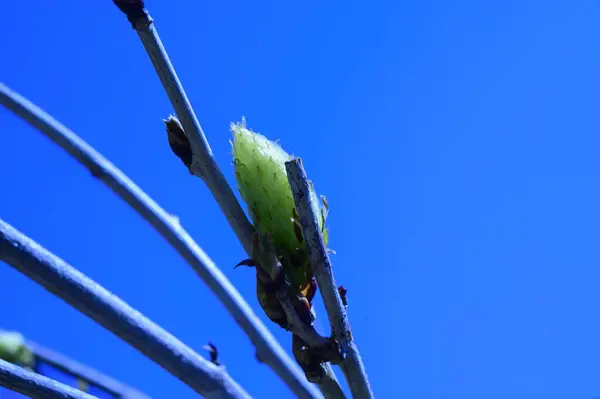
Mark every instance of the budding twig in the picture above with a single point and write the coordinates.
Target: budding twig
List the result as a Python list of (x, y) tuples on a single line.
[(267, 347), (263, 257), (202, 162)]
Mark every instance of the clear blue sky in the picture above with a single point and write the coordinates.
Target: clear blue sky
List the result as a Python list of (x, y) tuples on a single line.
[(455, 141)]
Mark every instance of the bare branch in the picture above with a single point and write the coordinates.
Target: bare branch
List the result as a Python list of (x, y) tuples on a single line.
[(329, 384), (35, 385), (105, 308), (267, 347), (83, 372), (352, 365), (203, 162)]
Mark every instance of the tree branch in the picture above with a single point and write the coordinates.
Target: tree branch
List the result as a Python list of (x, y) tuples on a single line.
[(105, 308), (267, 347), (81, 371), (35, 385), (352, 364), (202, 162), (329, 384)]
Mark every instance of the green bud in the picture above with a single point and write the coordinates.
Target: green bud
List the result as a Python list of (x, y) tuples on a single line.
[(262, 181), (13, 349)]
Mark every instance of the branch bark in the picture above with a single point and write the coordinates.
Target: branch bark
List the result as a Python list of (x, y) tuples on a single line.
[(329, 385), (267, 347), (35, 385), (352, 364), (105, 308), (81, 371), (203, 163)]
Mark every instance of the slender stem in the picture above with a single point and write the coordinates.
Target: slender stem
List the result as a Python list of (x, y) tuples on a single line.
[(203, 163), (81, 371), (35, 385), (105, 308), (329, 385), (352, 365), (267, 347)]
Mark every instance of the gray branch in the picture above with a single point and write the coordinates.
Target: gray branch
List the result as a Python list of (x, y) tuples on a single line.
[(352, 365), (35, 385), (105, 308), (81, 371), (329, 385), (267, 347), (203, 163)]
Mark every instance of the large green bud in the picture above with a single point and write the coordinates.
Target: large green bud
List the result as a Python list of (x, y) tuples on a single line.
[(262, 181), (14, 350)]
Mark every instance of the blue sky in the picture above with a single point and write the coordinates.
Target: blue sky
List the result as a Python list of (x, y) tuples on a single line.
[(455, 141)]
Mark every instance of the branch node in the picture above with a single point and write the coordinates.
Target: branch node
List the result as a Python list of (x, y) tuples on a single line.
[(135, 12)]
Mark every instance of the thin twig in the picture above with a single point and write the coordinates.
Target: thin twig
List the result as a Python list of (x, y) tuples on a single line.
[(105, 308), (81, 371), (329, 384), (35, 385), (203, 163), (267, 347), (352, 365)]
